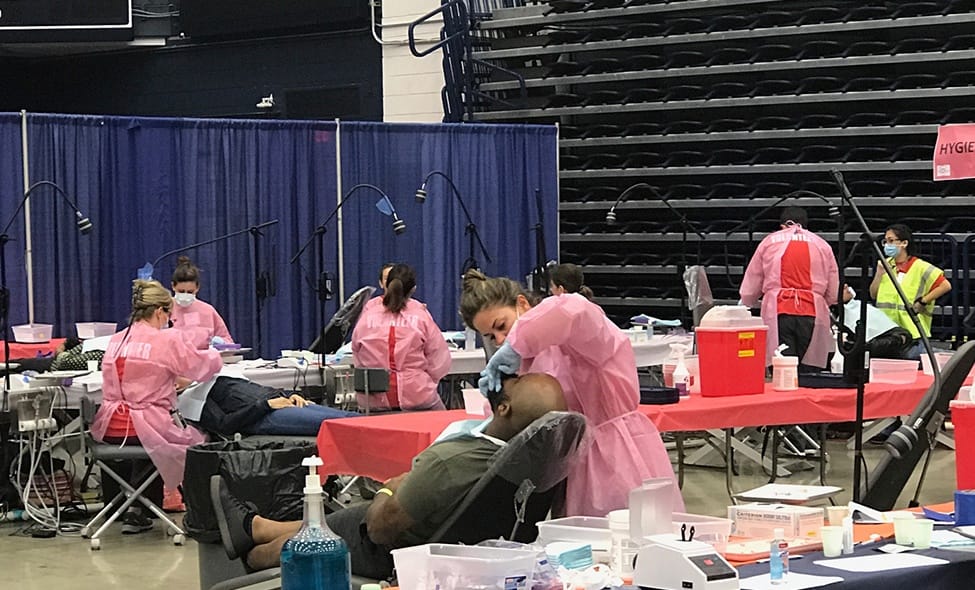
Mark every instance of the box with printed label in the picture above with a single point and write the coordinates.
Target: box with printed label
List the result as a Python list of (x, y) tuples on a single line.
[(761, 520)]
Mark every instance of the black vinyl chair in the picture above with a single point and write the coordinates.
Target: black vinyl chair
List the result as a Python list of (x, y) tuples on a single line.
[(104, 453), (514, 494)]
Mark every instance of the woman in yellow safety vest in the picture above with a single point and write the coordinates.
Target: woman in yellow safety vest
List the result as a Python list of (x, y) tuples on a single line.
[(921, 281)]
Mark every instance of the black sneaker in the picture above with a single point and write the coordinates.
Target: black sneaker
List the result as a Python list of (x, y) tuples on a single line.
[(231, 514), (134, 523)]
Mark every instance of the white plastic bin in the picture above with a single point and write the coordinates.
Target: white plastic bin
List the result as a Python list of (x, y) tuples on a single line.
[(459, 567), (32, 333), (592, 530), (94, 329), (893, 371), (709, 529)]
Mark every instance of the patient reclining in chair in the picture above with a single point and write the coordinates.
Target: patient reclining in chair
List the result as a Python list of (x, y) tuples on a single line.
[(240, 406), (412, 506)]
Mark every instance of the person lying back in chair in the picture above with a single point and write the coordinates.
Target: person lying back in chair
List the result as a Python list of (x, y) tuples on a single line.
[(412, 506)]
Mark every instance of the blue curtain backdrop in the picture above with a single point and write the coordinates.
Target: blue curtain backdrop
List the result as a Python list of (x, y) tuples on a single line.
[(151, 185), (496, 168), (11, 173)]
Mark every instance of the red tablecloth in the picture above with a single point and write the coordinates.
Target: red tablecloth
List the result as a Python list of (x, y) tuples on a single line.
[(803, 406), (383, 446), (20, 350)]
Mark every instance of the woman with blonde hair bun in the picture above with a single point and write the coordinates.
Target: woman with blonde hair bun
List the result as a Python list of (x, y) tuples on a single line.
[(139, 373)]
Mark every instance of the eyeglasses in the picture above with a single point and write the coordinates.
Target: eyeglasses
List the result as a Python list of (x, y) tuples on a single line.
[(892, 241)]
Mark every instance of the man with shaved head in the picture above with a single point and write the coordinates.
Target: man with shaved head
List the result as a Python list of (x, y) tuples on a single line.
[(411, 506)]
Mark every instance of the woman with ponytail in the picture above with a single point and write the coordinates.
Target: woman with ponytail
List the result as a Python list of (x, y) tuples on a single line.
[(139, 373), (401, 336), (568, 278)]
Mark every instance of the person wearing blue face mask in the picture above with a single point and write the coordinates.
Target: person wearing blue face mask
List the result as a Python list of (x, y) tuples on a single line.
[(198, 319), (921, 281)]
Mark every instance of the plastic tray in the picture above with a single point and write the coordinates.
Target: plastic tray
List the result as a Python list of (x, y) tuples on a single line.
[(32, 333), (457, 567), (593, 530), (893, 371)]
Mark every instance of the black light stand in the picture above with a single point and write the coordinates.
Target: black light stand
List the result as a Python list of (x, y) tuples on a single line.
[(85, 227), (685, 225), (322, 285), (902, 441), (255, 232), (470, 229), (539, 274)]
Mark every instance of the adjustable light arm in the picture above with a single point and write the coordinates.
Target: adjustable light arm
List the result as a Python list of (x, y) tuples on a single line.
[(84, 224), (421, 196), (399, 226), (253, 228), (684, 221)]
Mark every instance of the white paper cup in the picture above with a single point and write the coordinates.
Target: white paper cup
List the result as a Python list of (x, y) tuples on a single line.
[(93, 366), (832, 537), (920, 531), (903, 527)]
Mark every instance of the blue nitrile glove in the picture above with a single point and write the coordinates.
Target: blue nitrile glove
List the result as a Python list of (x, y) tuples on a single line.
[(216, 340), (505, 361)]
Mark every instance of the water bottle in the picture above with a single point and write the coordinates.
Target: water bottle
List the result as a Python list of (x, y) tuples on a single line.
[(778, 558), (315, 558)]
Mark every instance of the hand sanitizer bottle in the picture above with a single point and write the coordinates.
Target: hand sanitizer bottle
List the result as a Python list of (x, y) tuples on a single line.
[(778, 558), (315, 558)]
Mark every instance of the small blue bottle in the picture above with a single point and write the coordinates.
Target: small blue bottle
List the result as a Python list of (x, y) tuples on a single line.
[(779, 558), (315, 558)]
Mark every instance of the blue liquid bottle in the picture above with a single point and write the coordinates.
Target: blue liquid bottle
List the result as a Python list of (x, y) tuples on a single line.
[(315, 558)]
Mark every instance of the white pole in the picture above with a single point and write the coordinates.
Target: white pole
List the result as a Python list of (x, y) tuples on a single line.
[(28, 258), (338, 199)]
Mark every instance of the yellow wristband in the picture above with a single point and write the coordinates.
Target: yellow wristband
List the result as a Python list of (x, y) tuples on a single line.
[(386, 491)]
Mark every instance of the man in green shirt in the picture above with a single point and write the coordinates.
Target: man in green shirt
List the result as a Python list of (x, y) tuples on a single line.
[(410, 507)]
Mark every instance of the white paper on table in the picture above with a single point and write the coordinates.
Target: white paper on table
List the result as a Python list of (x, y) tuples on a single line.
[(190, 402), (880, 563), (100, 343), (794, 581)]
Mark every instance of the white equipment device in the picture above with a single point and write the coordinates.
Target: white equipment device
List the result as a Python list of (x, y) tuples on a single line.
[(32, 409), (665, 562)]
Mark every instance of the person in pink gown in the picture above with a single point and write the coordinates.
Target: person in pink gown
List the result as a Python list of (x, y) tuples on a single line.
[(570, 338), (192, 315), (139, 372), (401, 336)]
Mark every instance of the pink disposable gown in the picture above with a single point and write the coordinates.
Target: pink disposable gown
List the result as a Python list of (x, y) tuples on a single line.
[(763, 278), (153, 359), (410, 345), (571, 339), (200, 322)]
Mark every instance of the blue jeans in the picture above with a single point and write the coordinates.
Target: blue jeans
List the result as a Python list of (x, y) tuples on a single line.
[(297, 421)]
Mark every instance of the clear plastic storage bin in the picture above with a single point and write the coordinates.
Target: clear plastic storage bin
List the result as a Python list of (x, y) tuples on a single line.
[(94, 329), (461, 567), (32, 333), (893, 371), (708, 529), (593, 530)]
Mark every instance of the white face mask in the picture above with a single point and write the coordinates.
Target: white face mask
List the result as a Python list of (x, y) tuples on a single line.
[(184, 299)]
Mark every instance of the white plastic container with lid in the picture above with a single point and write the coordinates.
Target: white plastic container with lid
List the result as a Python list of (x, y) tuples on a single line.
[(785, 373), (651, 508), (623, 549)]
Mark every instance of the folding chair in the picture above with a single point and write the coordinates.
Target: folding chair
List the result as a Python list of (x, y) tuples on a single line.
[(101, 453)]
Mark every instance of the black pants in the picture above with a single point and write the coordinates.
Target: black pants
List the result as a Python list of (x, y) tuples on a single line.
[(795, 331), (368, 559), (892, 344), (129, 471)]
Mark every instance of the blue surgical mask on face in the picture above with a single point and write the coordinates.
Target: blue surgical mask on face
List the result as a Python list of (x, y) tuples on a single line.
[(890, 250)]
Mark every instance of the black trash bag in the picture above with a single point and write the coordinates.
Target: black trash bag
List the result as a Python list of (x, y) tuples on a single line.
[(266, 475)]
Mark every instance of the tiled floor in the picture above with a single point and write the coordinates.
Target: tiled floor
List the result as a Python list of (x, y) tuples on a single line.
[(150, 560)]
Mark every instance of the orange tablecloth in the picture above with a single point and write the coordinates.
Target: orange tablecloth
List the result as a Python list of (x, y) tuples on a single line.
[(20, 350), (383, 446)]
